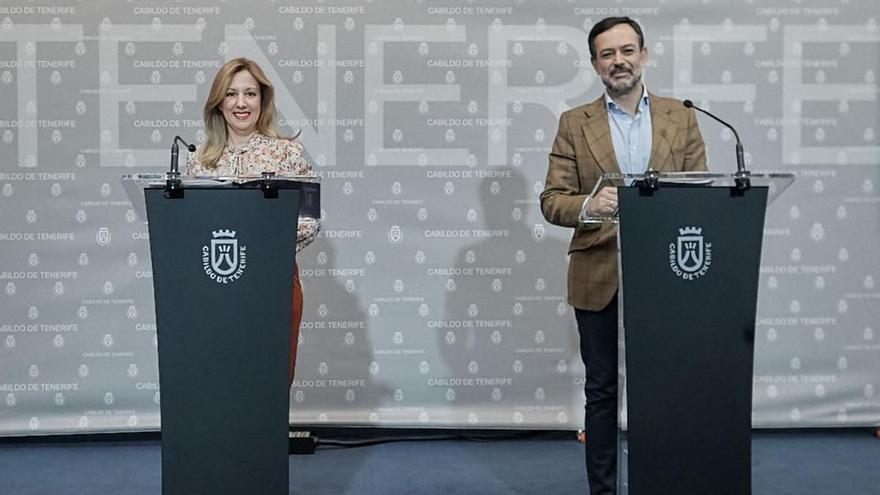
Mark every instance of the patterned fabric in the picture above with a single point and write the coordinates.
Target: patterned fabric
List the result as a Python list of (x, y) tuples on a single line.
[(263, 154), (582, 151)]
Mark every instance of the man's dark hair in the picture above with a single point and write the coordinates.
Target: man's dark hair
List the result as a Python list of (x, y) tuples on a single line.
[(608, 23)]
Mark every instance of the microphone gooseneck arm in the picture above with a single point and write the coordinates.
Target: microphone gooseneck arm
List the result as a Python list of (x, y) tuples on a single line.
[(742, 175), (189, 147), (172, 183), (175, 152)]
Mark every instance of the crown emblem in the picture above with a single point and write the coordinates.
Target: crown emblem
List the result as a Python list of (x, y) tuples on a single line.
[(690, 231), (223, 233)]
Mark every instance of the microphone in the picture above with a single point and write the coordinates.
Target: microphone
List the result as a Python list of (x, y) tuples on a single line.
[(742, 175), (175, 151), (172, 178)]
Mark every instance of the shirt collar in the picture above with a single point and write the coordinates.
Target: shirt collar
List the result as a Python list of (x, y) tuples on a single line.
[(252, 141), (611, 105)]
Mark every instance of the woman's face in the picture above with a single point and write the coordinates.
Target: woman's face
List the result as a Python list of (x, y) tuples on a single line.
[(241, 105)]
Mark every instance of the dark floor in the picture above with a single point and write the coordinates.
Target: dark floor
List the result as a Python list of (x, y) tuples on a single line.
[(802, 462)]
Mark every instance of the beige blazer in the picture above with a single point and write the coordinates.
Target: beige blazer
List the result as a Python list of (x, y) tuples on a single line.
[(581, 153)]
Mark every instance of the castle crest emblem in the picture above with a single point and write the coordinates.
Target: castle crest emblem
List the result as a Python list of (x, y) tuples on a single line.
[(690, 256), (224, 259)]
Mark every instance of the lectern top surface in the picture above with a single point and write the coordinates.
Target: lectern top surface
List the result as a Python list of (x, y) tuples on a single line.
[(135, 184), (775, 182), (214, 180)]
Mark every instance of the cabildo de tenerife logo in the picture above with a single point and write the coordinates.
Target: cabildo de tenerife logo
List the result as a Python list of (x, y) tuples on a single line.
[(690, 257), (225, 260)]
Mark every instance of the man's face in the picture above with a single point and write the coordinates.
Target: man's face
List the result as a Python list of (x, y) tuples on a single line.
[(619, 60)]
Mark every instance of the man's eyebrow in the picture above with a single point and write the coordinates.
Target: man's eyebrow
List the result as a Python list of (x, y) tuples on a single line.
[(622, 47)]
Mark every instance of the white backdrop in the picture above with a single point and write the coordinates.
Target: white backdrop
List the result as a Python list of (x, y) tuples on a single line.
[(435, 295)]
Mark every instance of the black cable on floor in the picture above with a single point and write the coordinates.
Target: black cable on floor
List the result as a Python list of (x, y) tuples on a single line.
[(494, 437)]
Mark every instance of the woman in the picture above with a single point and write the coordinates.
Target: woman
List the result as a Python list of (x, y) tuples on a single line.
[(242, 139)]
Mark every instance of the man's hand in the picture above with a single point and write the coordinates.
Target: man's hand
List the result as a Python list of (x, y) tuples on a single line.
[(604, 203)]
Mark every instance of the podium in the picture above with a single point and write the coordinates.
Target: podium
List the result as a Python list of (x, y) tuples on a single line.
[(223, 254), (690, 252)]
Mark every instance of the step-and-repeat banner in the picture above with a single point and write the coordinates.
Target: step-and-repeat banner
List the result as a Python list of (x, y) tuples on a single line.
[(435, 295)]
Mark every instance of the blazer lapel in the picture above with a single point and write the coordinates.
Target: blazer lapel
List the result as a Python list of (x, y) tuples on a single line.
[(663, 130), (598, 136)]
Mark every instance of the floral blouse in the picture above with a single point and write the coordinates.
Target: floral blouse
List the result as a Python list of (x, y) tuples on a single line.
[(264, 154)]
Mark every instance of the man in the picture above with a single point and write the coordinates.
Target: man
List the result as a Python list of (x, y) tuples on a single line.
[(627, 130)]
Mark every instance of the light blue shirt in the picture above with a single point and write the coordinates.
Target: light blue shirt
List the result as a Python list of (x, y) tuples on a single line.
[(630, 135)]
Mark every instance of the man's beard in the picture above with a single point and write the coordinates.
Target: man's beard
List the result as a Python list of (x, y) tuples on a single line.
[(616, 88)]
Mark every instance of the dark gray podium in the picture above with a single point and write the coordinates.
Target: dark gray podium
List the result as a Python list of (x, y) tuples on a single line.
[(223, 258), (690, 252)]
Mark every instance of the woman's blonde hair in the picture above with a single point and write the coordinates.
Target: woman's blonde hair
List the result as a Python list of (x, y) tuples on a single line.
[(215, 124)]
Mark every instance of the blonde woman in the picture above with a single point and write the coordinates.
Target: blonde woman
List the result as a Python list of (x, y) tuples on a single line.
[(242, 139)]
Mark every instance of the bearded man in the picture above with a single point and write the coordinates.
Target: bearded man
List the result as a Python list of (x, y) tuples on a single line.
[(626, 130)]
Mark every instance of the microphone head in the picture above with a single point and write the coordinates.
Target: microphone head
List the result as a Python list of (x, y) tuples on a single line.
[(688, 103), (191, 148)]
